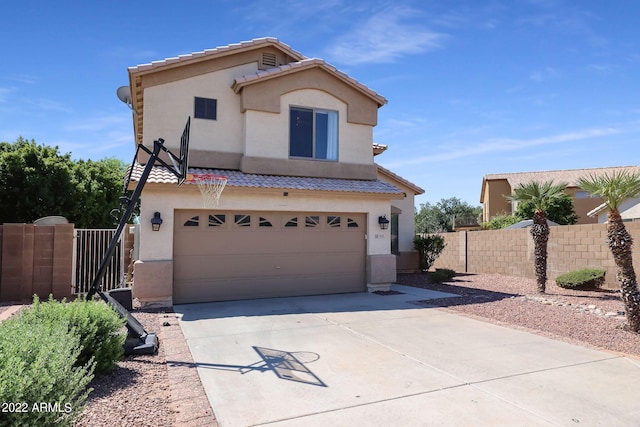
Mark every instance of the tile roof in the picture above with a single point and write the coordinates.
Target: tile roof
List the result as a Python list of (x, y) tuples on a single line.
[(400, 179), (218, 51), (304, 64), (161, 175), (570, 176)]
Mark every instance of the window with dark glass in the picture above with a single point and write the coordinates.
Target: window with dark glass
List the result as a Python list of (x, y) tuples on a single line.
[(313, 133), (206, 108), (395, 243)]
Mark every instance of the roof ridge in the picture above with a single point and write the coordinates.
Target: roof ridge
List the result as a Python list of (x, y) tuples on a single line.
[(563, 170), (218, 49)]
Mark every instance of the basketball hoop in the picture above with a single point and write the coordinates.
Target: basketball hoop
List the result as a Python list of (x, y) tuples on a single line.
[(210, 185)]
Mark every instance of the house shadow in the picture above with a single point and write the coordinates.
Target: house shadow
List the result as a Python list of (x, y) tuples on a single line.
[(464, 295), (289, 366), (331, 303)]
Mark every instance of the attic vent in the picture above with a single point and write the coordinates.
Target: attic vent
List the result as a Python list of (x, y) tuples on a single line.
[(268, 60)]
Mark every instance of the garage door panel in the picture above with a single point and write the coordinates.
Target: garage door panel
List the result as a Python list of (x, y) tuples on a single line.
[(240, 257), (238, 289), (247, 267)]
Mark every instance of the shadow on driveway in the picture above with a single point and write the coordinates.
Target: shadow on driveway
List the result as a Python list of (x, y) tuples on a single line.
[(284, 364)]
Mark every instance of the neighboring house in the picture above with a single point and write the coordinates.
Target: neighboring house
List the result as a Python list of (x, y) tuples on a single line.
[(629, 211), (496, 186), (300, 213)]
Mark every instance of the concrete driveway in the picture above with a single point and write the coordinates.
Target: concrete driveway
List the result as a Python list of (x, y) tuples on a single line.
[(365, 359)]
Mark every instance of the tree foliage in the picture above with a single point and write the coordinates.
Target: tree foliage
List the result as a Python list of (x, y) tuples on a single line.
[(429, 249), (559, 209), (501, 221), (439, 217), (37, 181)]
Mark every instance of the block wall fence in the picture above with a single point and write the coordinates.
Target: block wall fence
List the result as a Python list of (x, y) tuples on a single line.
[(511, 252), (39, 260)]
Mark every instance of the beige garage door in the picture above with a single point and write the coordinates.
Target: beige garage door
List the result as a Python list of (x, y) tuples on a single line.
[(221, 256)]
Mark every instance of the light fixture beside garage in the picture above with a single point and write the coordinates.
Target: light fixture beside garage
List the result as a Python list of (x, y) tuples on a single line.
[(383, 222), (156, 221)]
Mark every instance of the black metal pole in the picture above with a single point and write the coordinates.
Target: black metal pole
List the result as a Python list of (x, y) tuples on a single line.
[(131, 204)]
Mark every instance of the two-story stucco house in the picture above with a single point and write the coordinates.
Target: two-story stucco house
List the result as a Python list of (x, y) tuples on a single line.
[(300, 214)]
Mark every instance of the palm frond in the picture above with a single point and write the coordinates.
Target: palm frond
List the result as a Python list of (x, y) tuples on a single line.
[(613, 188), (540, 194)]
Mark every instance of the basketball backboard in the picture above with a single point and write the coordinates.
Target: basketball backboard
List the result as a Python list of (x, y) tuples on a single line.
[(181, 163)]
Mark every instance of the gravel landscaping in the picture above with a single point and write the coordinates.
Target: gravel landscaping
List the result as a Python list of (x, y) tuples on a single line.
[(590, 318)]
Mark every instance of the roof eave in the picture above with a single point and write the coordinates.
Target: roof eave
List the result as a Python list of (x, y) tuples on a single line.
[(287, 69), (417, 190)]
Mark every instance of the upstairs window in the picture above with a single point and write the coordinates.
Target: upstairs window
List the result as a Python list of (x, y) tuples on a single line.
[(206, 108), (313, 134)]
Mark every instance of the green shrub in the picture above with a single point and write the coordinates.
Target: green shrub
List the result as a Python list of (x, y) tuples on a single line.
[(501, 221), (586, 278), (38, 376), (437, 277), (429, 248), (446, 272), (97, 325)]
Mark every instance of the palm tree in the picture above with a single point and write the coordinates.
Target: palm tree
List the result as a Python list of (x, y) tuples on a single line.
[(540, 195), (614, 189)]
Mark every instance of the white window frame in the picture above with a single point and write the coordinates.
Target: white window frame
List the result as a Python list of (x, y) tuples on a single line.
[(332, 134)]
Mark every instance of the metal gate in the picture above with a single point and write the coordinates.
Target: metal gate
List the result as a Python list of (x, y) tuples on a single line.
[(90, 247)]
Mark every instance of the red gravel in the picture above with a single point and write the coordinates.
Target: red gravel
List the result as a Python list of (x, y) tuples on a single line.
[(579, 317)]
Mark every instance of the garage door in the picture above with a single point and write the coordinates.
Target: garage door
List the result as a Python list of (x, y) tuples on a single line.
[(221, 256)]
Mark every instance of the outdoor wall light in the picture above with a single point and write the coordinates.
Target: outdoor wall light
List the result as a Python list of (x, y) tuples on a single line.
[(383, 222), (156, 222)]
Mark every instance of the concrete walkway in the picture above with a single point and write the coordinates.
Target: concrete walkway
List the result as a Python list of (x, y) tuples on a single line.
[(364, 359)]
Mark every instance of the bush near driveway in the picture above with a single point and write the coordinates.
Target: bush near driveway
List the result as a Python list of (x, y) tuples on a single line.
[(48, 355), (97, 325), (37, 368)]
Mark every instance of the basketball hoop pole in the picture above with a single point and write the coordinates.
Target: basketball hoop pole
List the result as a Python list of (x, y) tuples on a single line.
[(143, 342)]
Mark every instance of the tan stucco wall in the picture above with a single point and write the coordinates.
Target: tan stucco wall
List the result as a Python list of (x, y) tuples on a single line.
[(263, 96), (153, 282), (406, 220), (583, 206), (267, 134), (494, 202), (168, 105)]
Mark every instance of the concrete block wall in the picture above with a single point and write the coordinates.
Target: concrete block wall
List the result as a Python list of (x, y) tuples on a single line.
[(35, 260), (511, 252)]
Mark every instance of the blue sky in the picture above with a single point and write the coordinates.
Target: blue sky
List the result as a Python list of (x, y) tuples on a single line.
[(474, 87)]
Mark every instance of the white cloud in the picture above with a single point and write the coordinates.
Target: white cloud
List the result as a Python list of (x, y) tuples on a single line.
[(499, 145), (385, 37)]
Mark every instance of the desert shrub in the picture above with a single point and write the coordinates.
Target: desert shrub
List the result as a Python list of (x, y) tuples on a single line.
[(501, 221), (446, 272), (586, 278), (39, 382), (98, 326), (429, 247), (437, 277)]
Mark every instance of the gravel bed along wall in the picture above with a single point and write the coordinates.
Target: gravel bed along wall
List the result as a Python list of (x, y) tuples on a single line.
[(592, 318)]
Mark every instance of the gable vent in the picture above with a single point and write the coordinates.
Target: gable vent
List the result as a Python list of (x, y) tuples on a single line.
[(268, 60)]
